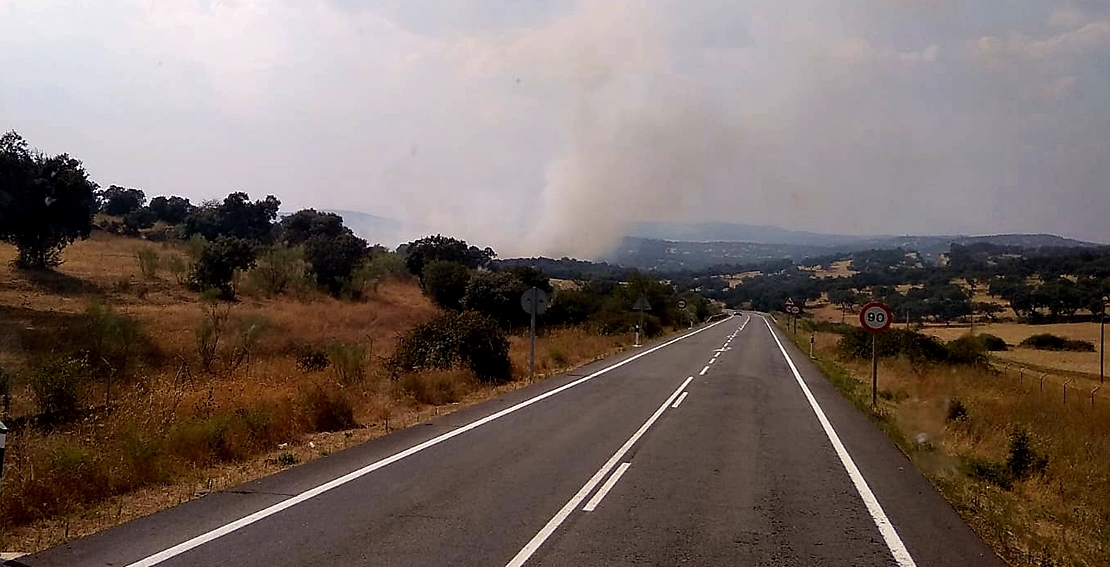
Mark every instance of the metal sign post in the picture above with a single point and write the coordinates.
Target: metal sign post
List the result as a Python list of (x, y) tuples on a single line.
[(641, 306), (1102, 347), (3, 443), (875, 318), (534, 302)]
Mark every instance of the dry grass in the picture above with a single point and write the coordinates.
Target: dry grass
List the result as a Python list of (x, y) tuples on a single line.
[(172, 431), (1061, 517)]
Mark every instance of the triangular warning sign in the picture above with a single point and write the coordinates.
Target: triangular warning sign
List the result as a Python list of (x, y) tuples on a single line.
[(642, 304)]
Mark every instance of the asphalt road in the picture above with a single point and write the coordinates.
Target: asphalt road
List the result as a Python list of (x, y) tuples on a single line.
[(713, 449)]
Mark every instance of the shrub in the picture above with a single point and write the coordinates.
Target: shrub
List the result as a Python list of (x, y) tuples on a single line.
[(966, 350), (115, 340), (989, 471), (388, 265), (993, 343), (217, 264), (433, 387), (495, 295), (210, 331), (957, 411), (445, 283), (917, 347), (1022, 460), (465, 338), (332, 261), (176, 266), (277, 268), (249, 333), (149, 262), (311, 359), (1047, 341), (348, 361), (328, 411), (58, 386), (287, 459)]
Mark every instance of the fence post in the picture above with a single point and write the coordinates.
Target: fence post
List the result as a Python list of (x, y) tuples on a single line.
[(1021, 377), (1066, 390), (1097, 388), (1042, 381)]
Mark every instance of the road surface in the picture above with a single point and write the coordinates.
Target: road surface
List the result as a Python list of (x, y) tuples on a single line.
[(721, 447)]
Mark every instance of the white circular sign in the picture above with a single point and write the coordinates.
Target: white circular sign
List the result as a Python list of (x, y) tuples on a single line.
[(876, 317)]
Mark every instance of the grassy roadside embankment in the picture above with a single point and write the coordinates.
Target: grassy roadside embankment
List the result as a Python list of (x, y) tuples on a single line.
[(1027, 470), (291, 378)]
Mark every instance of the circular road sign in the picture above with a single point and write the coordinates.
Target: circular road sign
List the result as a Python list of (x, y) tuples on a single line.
[(793, 310), (876, 317), (534, 301), (682, 304)]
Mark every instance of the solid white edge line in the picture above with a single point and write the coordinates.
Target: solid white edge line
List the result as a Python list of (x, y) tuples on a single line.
[(886, 528), (245, 521), (553, 524), (605, 488), (678, 402), (703, 371)]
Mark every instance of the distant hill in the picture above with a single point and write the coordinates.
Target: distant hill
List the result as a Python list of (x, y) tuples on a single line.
[(670, 255), (733, 232), (379, 230)]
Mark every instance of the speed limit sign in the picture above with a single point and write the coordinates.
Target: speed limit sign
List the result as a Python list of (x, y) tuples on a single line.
[(876, 317)]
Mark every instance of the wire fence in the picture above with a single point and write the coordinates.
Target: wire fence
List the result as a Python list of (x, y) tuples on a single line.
[(1073, 391)]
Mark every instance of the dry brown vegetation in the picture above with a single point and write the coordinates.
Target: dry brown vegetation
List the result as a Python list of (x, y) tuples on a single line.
[(169, 429), (957, 424)]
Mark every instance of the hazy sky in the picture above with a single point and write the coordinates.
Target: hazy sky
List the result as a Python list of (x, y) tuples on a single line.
[(546, 126)]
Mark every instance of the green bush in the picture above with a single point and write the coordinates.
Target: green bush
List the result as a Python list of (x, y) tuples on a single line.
[(993, 343), (467, 338), (177, 267), (218, 263), (989, 471), (58, 386), (276, 269), (1048, 341), (445, 283), (149, 262), (1023, 460), (348, 361), (966, 350), (917, 347)]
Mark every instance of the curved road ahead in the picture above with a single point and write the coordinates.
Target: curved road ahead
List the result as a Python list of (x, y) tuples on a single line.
[(722, 447)]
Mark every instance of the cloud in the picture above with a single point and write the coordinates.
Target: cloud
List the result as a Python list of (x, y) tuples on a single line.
[(546, 127)]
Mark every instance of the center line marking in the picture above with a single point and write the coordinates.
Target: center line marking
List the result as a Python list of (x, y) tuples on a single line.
[(703, 371), (561, 516), (678, 402), (605, 488)]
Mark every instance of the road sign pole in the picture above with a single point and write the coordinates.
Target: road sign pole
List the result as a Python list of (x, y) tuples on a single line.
[(3, 443), (532, 356), (1102, 347), (874, 371)]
